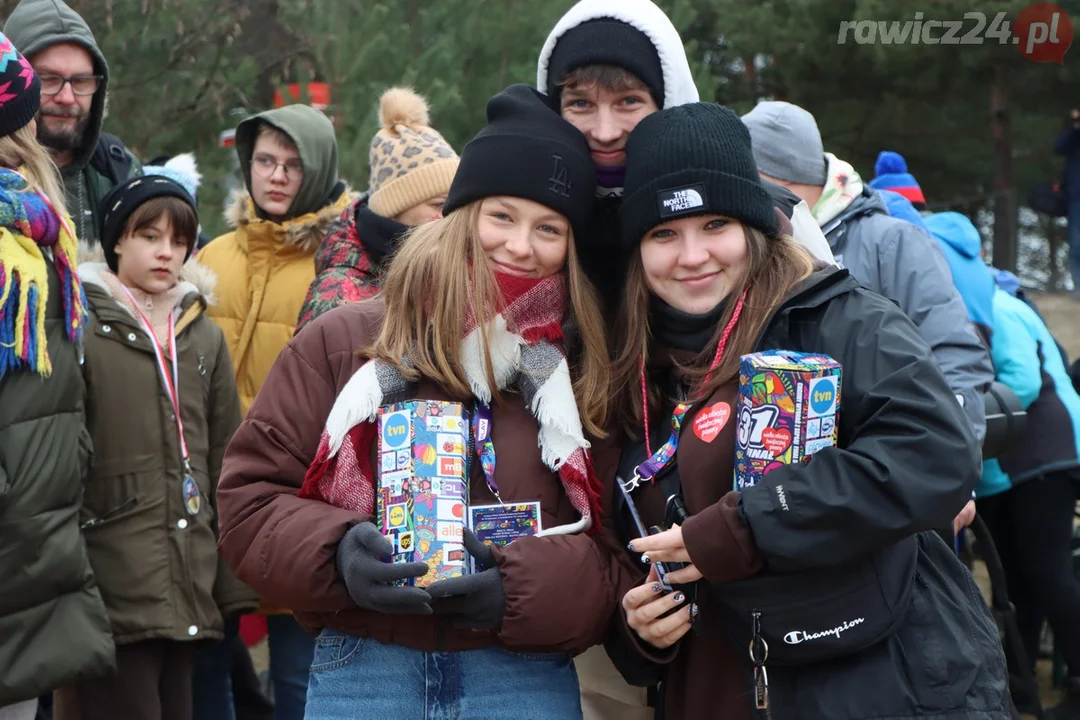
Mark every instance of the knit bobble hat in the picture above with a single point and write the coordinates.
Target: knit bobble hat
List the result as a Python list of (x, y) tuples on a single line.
[(182, 168), (530, 152), (118, 205), (891, 173), (687, 160), (20, 89), (410, 162), (606, 41)]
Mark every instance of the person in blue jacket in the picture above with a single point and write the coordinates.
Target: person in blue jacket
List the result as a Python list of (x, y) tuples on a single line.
[(962, 244), (956, 235), (1027, 497)]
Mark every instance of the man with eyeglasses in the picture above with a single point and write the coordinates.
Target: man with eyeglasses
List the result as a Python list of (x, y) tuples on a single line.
[(74, 80)]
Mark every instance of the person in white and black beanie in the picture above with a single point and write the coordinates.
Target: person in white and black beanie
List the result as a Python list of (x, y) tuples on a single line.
[(668, 177), (530, 152)]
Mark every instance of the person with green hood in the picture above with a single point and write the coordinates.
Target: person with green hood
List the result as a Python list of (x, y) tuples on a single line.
[(74, 82), (289, 160)]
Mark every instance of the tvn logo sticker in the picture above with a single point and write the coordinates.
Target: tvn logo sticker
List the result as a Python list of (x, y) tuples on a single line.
[(678, 201)]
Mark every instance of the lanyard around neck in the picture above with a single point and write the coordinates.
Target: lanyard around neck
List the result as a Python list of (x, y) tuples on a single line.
[(485, 448), (657, 461), (171, 383)]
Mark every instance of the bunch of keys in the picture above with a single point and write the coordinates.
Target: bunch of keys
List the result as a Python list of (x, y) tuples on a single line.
[(759, 653)]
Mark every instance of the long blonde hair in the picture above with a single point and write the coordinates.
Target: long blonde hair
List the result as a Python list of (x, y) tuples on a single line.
[(21, 151), (439, 277), (775, 265)]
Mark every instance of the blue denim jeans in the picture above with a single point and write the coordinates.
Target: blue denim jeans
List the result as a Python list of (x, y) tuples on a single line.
[(1074, 242), (212, 677), (291, 650), (360, 677)]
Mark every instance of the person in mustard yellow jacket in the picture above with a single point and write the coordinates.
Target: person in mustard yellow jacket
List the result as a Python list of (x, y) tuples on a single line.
[(289, 160)]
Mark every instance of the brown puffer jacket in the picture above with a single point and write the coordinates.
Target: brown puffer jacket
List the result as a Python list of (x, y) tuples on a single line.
[(157, 566), (558, 591)]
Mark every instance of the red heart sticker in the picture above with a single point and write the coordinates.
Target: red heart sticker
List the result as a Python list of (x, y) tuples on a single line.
[(776, 440), (711, 420)]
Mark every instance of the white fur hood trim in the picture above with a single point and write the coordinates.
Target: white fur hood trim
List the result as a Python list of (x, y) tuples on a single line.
[(679, 87)]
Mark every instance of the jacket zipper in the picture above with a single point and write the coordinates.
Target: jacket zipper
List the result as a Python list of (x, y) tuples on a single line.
[(94, 522), (759, 655)]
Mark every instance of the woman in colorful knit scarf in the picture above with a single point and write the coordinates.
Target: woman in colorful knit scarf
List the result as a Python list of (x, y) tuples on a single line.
[(459, 397), (53, 627)]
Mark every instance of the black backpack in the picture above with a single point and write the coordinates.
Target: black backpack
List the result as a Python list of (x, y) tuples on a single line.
[(111, 159)]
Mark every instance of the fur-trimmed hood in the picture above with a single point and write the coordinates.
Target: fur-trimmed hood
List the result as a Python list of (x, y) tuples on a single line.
[(195, 278), (306, 232)]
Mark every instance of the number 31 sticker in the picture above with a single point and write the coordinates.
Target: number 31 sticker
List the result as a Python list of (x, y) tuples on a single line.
[(752, 424)]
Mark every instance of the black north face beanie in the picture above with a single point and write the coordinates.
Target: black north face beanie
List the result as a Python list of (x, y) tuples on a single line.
[(691, 159)]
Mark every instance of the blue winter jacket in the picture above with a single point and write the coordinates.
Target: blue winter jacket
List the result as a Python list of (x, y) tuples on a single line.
[(962, 245), (1068, 145), (900, 207), (1026, 360)]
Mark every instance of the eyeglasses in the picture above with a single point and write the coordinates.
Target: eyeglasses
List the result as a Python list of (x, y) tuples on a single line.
[(80, 84), (265, 166)]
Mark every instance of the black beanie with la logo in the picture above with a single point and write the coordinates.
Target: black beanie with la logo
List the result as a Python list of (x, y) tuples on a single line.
[(528, 151), (693, 159)]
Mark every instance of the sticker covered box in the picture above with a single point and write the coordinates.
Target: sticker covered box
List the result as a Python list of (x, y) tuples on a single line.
[(788, 410), (423, 486)]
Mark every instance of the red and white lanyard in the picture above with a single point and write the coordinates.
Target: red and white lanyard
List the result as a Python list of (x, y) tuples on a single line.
[(172, 384)]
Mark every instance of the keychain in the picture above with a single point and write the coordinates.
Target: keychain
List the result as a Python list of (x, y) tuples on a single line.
[(759, 653)]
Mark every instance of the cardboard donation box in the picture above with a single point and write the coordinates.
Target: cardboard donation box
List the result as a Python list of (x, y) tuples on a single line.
[(788, 410), (423, 485)]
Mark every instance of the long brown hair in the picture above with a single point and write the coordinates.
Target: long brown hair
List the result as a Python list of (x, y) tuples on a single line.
[(21, 151), (774, 266), (433, 284)]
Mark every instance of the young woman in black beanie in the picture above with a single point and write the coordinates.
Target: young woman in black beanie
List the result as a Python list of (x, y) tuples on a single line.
[(486, 307), (823, 569)]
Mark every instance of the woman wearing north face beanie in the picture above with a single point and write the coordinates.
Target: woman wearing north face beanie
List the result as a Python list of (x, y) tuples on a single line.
[(822, 570), (487, 308)]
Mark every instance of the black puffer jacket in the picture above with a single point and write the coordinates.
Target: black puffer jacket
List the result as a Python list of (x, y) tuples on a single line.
[(907, 461)]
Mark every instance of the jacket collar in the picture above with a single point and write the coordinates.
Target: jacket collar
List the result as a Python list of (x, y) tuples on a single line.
[(869, 202), (304, 233), (820, 287)]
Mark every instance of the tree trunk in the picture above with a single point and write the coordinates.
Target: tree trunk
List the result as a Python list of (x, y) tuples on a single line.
[(1004, 193), (504, 65)]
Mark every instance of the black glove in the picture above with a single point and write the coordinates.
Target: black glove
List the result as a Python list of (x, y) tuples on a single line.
[(475, 602), (368, 578)]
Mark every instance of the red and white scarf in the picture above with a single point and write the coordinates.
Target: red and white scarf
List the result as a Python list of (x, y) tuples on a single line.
[(525, 344)]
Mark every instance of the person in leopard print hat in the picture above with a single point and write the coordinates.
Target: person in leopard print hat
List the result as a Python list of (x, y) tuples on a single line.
[(412, 167)]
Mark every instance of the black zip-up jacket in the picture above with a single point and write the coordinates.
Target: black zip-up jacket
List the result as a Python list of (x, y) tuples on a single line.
[(906, 462)]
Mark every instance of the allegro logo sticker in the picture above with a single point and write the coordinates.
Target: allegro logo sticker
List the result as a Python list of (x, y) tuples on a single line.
[(1042, 32)]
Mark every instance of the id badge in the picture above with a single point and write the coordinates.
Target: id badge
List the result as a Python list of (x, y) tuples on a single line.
[(192, 496), (501, 525)]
